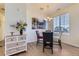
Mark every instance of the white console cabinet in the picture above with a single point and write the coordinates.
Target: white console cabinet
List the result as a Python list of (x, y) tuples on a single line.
[(15, 44)]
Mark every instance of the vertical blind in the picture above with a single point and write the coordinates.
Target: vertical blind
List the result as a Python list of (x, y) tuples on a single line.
[(61, 23)]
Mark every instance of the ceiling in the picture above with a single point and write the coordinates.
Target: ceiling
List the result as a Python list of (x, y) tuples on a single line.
[(41, 8), (46, 8)]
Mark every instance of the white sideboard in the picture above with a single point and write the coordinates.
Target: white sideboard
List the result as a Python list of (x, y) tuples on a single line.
[(15, 44)]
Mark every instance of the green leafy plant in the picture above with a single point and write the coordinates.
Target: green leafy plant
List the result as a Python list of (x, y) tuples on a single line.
[(21, 26)]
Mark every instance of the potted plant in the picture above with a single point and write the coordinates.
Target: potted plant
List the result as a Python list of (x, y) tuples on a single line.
[(21, 26)]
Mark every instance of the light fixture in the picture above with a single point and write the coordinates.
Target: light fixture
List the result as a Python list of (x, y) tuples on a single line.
[(49, 18), (44, 7), (41, 8)]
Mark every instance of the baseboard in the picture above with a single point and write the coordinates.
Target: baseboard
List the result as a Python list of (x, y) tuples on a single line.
[(70, 45)]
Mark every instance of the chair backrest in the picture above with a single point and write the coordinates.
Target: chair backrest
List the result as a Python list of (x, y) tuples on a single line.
[(47, 37), (48, 30)]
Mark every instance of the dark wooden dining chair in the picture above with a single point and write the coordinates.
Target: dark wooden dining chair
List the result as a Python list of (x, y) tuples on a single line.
[(48, 40), (39, 37)]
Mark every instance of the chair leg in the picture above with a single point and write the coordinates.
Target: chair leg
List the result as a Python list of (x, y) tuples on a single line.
[(59, 41), (37, 42), (51, 45), (43, 48), (52, 49)]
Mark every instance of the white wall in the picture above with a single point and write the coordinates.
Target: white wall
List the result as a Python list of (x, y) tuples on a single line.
[(13, 13), (25, 14), (72, 37), (31, 34)]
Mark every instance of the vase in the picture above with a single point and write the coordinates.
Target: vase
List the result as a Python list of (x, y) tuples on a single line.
[(21, 32), (11, 33)]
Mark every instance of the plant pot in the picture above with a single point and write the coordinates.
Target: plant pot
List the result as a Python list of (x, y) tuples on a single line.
[(21, 32)]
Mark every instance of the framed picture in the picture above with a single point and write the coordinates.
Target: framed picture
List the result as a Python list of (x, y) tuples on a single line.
[(38, 24)]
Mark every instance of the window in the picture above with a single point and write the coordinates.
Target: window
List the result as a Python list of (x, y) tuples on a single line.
[(61, 23)]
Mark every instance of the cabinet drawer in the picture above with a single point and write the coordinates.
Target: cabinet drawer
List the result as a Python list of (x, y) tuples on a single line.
[(21, 43), (21, 38), (11, 45), (11, 39), (11, 51), (22, 48)]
